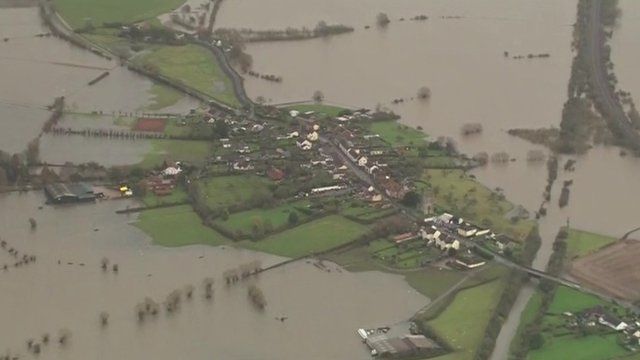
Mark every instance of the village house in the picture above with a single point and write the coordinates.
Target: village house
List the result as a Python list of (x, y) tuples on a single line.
[(304, 145), (445, 242), (469, 261), (466, 230)]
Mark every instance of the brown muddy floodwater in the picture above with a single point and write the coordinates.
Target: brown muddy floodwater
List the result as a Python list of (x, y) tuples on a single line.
[(625, 48), (35, 70), (323, 309), (461, 61)]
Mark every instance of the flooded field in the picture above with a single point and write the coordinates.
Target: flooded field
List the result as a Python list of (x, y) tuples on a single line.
[(322, 308), (625, 48), (39, 69)]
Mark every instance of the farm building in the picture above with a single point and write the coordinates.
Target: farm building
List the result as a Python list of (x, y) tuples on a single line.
[(69, 193), (400, 347)]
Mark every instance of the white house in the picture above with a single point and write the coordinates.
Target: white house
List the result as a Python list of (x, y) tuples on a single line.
[(305, 145), (445, 242), (294, 113), (313, 136), (466, 230), (362, 161), (612, 322)]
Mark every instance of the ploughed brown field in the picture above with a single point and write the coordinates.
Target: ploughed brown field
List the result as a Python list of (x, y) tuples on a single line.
[(150, 124), (614, 269)]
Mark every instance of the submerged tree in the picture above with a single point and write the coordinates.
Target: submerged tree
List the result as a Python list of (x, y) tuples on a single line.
[(257, 297), (104, 318), (382, 20), (424, 93), (318, 96)]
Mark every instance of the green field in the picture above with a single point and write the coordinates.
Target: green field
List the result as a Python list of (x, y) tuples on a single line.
[(193, 66), (75, 12), (579, 348), (228, 190), (319, 109), (455, 191), (581, 243), (464, 321), (177, 226), (162, 97), (306, 239), (432, 282), (175, 150), (397, 134), (244, 221), (567, 299)]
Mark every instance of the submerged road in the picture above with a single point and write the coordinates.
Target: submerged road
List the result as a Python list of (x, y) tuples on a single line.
[(603, 91)]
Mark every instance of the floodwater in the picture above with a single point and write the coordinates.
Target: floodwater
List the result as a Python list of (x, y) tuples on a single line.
[(323, 309), (625, 48), (461, 60), (35, 70)]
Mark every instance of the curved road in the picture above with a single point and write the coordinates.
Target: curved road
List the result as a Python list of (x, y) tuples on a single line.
[(603, 91)]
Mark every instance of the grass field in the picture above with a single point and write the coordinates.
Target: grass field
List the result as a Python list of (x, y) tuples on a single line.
[(194, 66), (126, 11), (567, 299), (464, 321), (397, 134), (579, 348), (229, 190), (315, 236), (278, 216), (162, 97), (581, 243), (175, 150), (177, 226), (457, 192), (319, 109), (432, 282)]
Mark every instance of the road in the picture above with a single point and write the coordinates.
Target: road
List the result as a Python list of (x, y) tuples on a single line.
[(611, 107)]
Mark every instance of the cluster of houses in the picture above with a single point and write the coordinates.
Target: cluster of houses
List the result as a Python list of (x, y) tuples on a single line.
[(598, 316), (161, 183)]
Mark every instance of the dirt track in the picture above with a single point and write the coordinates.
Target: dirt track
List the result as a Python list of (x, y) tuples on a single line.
[(614, 269)]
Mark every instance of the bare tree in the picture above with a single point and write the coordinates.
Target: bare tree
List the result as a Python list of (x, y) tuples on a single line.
[(104, 263), (257, 297), (64, 336), (318, 96), (104, 319), (424, 93), (208, 288), (382, 19), (188, 291)]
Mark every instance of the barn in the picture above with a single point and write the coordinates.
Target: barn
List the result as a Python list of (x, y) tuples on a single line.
[(61, 193)]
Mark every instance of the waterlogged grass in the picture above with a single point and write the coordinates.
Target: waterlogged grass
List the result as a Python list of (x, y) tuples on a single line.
[(223, 191), (193, 66), (244, 221), (455, 191), (581, 243), (464, 321), (76, 12), (177, 226), (175, 150), (162, 97), (397, 134), (318, 235)]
